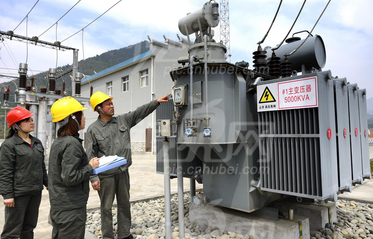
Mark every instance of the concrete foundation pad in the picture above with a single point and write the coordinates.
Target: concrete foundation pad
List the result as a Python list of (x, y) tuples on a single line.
[(318, 214), (243, 223)]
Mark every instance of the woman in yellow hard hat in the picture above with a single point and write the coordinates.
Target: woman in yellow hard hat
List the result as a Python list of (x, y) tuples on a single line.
[(22, 175), (69, 170)]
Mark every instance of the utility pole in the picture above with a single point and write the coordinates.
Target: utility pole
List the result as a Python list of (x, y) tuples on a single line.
[(55, 45)]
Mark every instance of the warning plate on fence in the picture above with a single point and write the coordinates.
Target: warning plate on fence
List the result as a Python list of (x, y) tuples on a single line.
[(284, 95)]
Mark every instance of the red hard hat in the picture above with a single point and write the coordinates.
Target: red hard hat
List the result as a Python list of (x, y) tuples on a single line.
[(17, 114)]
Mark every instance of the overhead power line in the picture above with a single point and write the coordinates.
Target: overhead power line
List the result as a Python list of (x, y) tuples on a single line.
[(16, 69), (309, 34), (10, 53), (8, 76), (274, 18), (59, 19), (291, 28), (91, 22), (26, 15)]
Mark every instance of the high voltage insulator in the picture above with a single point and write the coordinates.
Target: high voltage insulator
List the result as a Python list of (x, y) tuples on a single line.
[(274, 66), (286, 68), (78, 78), (77, 88), (22, 75), (6, 94), (260, 63), (52, 79)]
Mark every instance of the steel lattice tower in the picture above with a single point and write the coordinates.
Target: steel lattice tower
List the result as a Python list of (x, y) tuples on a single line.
[(224, 26)]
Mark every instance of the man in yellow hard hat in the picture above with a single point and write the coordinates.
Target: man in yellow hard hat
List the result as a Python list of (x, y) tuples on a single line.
[(110, 135)]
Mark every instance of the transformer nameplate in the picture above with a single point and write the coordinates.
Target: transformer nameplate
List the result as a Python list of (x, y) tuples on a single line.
[(295, 94)]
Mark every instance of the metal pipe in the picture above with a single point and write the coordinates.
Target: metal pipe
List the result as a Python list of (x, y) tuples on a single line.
[(167, 187), (152, 93), (180, 194), (291, 214), (192, 188), (206, 80), (34, 110), (191, 84), (49, 129), (5, 124), (42, 121)]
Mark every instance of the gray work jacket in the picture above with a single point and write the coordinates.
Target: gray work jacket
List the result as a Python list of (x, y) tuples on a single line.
[(113, 137), (22, 167), (68, 173)]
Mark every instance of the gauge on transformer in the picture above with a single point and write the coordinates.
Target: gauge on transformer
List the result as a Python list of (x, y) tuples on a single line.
[(179, 95)]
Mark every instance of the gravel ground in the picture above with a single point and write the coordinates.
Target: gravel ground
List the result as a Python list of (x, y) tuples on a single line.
[(355, 221)]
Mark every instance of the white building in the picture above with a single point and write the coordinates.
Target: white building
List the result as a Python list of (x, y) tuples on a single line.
[(135, 82)]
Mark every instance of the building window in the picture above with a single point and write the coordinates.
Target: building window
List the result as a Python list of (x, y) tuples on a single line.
[(125, 83), (144, 78), (109, 88)]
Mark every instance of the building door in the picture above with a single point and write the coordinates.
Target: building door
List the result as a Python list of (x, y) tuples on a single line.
[(148, 140)]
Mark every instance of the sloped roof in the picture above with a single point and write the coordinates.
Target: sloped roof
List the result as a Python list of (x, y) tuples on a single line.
[(117, 66)]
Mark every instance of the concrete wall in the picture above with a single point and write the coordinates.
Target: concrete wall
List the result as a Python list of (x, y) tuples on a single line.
[(159, 63)]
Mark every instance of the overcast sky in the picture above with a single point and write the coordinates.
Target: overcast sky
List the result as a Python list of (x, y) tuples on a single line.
[(345, 27)]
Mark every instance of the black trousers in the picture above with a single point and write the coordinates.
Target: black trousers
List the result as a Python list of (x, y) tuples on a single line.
[(68, 224), (21, 220), (119, 186)]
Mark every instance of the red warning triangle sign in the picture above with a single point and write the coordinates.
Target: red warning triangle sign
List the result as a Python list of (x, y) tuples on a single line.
[(267, 96)]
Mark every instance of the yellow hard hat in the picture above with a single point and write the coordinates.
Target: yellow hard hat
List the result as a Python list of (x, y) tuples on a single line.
[(97, 98), (64, 107)]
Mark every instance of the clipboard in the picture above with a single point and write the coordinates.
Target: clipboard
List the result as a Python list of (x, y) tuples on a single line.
[(119, 161)]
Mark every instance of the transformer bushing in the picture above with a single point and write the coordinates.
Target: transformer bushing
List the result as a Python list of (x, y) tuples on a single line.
[(260, 62), (285, 68), (22, 83), (274, 65)]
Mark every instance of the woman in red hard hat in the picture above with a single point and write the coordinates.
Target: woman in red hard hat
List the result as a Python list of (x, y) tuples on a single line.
[(22, 175)]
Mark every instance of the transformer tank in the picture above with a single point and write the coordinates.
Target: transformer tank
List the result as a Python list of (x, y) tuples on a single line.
[(217, 131), (256, 136)]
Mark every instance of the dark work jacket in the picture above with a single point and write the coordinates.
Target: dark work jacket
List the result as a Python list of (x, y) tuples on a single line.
[(22, 167), (113, 137), (68, 173)]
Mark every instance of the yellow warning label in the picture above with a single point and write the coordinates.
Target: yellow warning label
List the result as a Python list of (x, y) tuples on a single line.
[(267, 96)]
